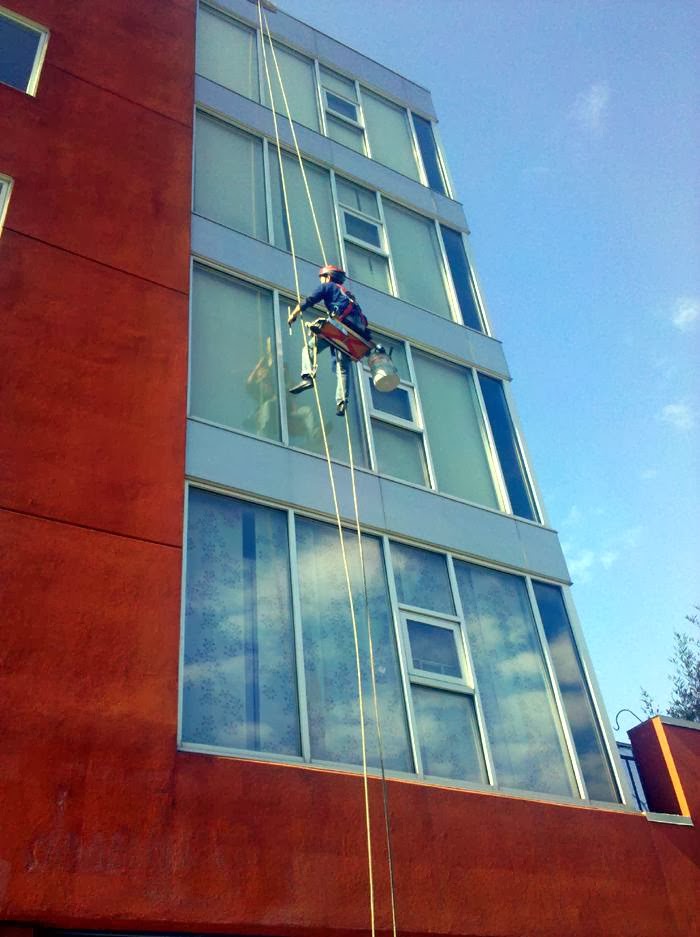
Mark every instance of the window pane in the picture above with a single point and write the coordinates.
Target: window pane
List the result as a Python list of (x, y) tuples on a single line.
[(239, 669), (302, 414), (227, 53), (361, 229), (233, 379), (389, 134), (305, 238), (455, 430), (421, 579), (228, 177), (346, 134), (396, 402), (355, 196), (400, 453), (299, 85), (18, 48), (462, 278), (433, 649), (429, 153), (367, 267), (449, 739), (509, 454), (340, 106), (588, 737), (417, 260), (522, 722), (329, 651), (337, 83)]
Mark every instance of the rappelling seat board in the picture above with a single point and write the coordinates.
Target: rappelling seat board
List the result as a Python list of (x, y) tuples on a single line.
[(341, 337)]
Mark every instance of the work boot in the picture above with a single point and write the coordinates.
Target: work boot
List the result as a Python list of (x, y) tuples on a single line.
[(341, 407), (305, 383)]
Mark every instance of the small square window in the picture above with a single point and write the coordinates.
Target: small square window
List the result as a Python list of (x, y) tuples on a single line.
[(5, 189), (434, 649), (22, 49)]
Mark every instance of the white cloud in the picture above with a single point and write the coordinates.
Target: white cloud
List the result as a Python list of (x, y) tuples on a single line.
[(686, 313), (678, 415), (590, 109), (584, 562)]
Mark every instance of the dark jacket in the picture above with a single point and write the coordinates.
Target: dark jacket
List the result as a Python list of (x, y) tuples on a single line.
[(338, 300)]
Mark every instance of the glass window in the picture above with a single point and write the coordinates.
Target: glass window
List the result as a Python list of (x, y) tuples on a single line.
[(429, 154), (395, 403), (233, 370), (455, 430), (509, 453), (346, 134), (413, 237), (306, 242), (22, 46), (342, 110), (527, 742), (340, 106), (362, 230), (227, 53), (449, 738), (239, 679), (302, 413), (339, 84), (389, 134), (462, 278), (588, 737), (5, 189), (357, 197), (299, 79), (433, 649), (397, 349), (400, 453), (329, 652), (367, 267), (421, 579), (228, 177)]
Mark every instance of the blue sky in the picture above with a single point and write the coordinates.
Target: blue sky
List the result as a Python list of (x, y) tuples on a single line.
[(571, 129)]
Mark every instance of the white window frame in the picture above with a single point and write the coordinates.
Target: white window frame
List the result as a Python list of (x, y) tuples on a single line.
[(6, 184), (462, 684), (40, 53)]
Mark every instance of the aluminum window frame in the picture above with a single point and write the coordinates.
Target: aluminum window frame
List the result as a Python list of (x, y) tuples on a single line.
[(6, 186), (39, 55), (462, 684)]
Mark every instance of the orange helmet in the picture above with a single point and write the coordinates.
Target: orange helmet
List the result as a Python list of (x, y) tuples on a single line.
[(335, 273)]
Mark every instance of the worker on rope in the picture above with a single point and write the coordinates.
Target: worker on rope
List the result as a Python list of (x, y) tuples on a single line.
[(344, 330)]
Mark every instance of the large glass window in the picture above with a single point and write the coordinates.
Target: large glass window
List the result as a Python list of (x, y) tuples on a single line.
[(239, 674), (429, 153), (527, 741), (588, 737), (462, 278), (455, 429), (22, 48), (229, 182), (415, 251), (298, 75), (227, 52), (233, 354), (329, 652), (306, 242), (509, 452), (342, 110), (389, 134)]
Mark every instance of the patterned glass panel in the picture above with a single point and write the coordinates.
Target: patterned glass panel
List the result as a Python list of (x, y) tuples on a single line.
[(449, 739), (421, 579)]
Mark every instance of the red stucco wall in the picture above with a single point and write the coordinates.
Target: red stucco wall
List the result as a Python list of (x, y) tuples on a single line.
[(104, 824)]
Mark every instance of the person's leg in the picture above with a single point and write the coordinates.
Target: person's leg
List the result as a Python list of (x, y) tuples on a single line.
[(340, 363), (309, 353)]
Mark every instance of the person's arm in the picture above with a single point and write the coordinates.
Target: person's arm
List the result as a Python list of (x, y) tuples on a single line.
[(312, 300)]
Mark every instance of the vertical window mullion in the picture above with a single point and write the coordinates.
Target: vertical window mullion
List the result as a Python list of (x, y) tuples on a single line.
[(298, 639), (559, 702), (483, 311), (368, 145), (491, 450), (393, 282), (421, 420), (447, 278), (480, 720), (416, 151), (183, 608), (403, 659)]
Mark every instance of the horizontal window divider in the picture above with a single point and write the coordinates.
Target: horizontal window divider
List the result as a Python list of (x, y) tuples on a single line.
[(437, 682), (367, 246), (429, 615), (372, 219), (241, 754), (397, 421)]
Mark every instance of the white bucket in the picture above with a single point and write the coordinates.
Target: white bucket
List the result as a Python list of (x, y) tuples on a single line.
[(385, 377)]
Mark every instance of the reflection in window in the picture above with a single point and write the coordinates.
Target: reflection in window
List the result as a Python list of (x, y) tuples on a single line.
[(400, 453), (233, 370), (455, 430), (5, 189), (509, 453), (21, 51), (527, 742), (585, 728), (449, 738), (413, 237), (305, 238), (429, 153), (389, 134), (239, 677), (227, 53), (329, 653), (421, 579), (228, 177), (462, 278), (299, 85), (433, 649)]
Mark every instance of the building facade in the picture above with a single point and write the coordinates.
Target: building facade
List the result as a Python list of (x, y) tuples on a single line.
[(185, 690)]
